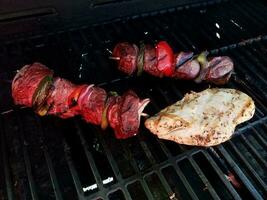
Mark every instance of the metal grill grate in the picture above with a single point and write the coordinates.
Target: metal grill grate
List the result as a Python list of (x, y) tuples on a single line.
[(49, 158)]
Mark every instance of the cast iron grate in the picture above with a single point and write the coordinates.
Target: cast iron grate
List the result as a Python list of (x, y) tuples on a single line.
[(49, 158)]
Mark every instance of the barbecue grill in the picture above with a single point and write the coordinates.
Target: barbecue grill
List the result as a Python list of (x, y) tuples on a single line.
[(51, 158)]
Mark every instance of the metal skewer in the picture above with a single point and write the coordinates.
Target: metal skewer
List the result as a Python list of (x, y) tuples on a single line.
[(114, 58), (12, 110), (145, 115)]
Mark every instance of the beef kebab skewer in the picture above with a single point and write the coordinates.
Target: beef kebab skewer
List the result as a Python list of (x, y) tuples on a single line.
[(160, 61), (35, 86)]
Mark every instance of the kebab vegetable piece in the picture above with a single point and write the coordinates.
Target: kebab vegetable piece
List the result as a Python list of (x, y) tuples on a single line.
[(34, 86), (160, 61)]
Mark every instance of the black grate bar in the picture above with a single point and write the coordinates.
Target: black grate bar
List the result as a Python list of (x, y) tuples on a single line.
[(49, 162), (260, 138), (236, 24), (89, 157), (239, 172), (144, 185), (128, 152), (74, 45), (166, 186), (146, 150), (249, 72), (27, 162), (156, 108), (185, 182), (153, 103), (178, 36), (203, 178), (249, 125), (176, 92), (83, 35), (226, 182), (259, 56), (180, 30), (62, 49), (259, 62), (257, 156), (250, 89), (246, 12), (72, 169), (145, 188), (250, 170), (261, 71), (52, 173), (178, 170), (254, 8), (165, 97), (9, 188), (114, 166), (183, 42), (258, 112)]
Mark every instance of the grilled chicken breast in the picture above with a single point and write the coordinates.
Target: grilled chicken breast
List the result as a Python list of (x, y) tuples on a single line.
[(206, 118)]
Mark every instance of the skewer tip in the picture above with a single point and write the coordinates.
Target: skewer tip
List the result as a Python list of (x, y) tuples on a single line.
[(109, 51), (114, 58), (144, 114)]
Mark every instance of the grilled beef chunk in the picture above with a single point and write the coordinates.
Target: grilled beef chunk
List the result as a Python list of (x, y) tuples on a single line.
[(220, 70), (217, 70), (92, 104), (125, 113), (65, 99), (58, 101), (128, 54), (150, 61), (160, 61), (31, 85)]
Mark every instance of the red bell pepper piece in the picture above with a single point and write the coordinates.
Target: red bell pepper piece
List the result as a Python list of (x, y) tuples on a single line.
[(165, 58)]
